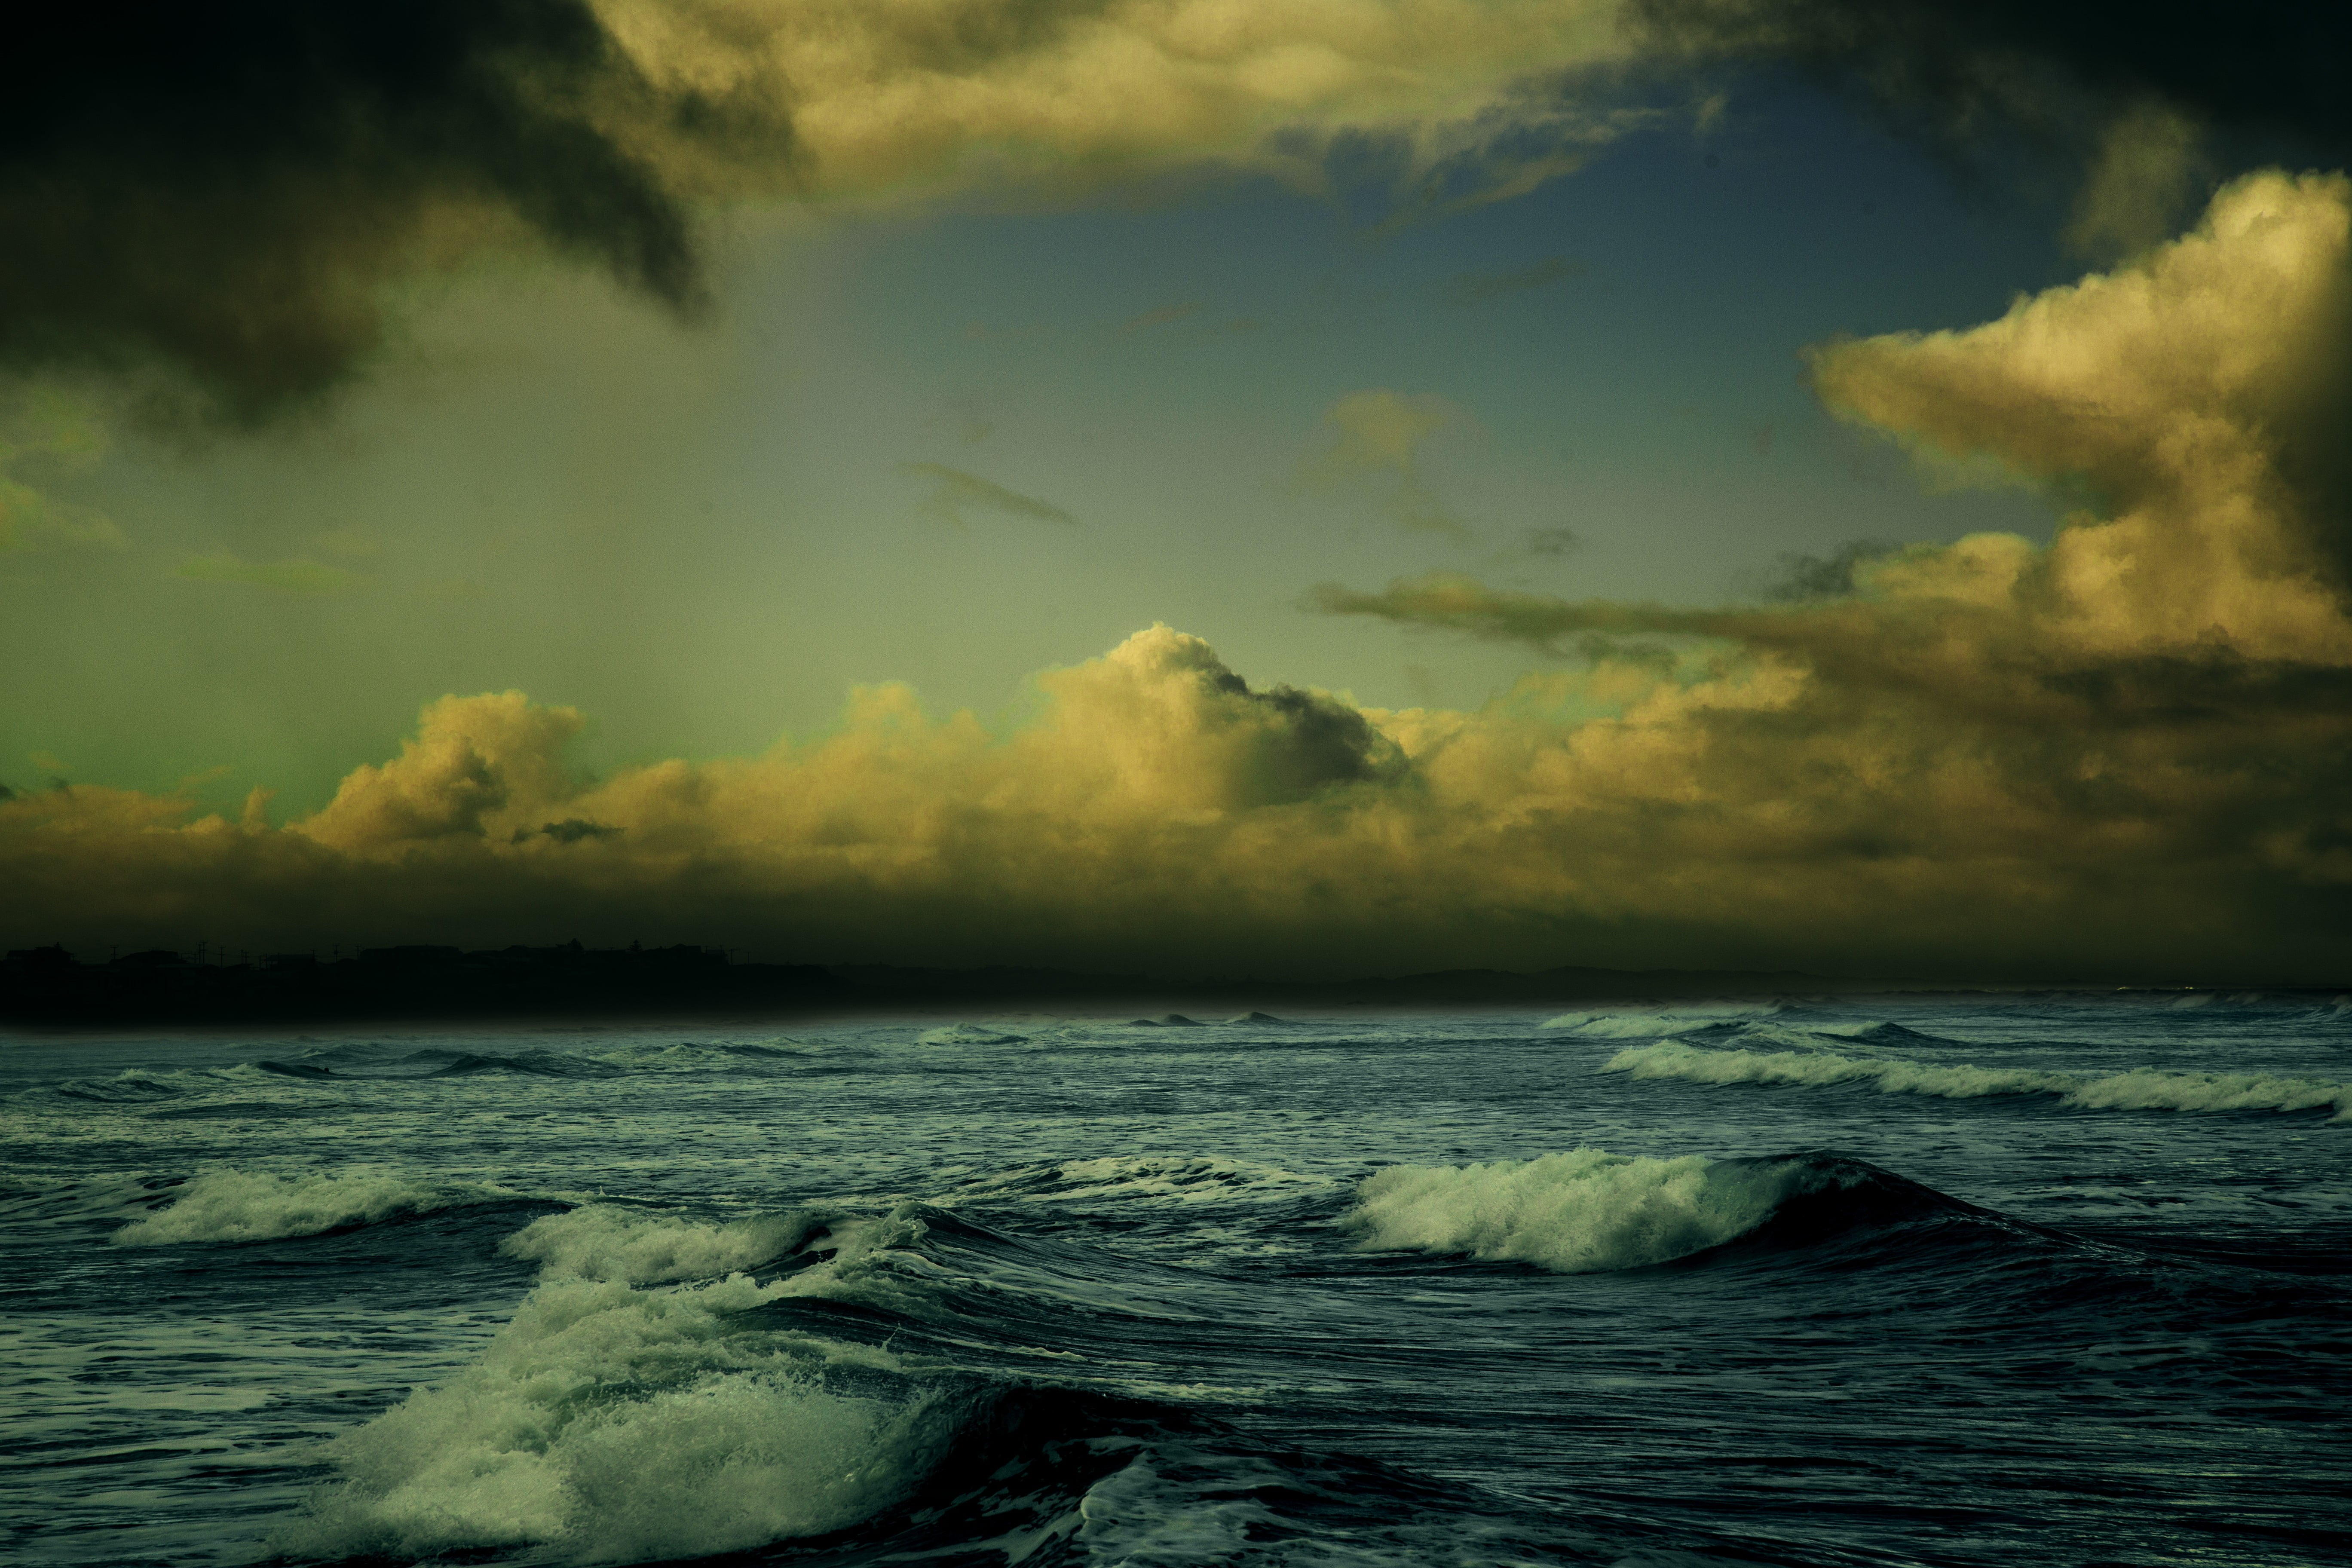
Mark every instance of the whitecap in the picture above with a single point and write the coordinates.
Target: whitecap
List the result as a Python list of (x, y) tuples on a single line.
[(1582, 1212), (2143, 1088), (229, 1206), (610, 1424)]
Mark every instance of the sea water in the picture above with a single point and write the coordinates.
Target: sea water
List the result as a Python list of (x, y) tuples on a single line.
[(2041, 1280)]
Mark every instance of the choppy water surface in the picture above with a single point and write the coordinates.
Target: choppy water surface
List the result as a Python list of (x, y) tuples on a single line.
[(2032, 1281)]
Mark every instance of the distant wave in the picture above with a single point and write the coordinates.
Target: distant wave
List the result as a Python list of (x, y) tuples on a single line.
[(2146, 1089), (241, 1205), (1585, 1211), (969, 1035), (1621, 1024)]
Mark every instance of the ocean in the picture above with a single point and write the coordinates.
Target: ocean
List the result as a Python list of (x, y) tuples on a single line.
[(2056, 1279)]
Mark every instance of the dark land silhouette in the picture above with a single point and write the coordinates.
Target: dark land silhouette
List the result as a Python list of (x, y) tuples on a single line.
[(49, 986)]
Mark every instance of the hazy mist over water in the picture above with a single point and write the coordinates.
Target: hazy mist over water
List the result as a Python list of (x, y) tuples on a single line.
[(1917, 1280)]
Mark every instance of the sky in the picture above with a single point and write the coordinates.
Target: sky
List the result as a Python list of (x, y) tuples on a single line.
[(1329, 487)]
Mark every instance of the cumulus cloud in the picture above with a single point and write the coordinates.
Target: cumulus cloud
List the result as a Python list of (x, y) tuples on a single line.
[(1374, 441), (2122, 756)]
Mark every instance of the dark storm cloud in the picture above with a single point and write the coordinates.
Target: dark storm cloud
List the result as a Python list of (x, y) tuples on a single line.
[(224, 191), (225, 187), (1957, 69), (1803, 576)]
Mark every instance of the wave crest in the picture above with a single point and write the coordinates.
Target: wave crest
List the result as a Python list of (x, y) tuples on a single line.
[(1582, 1212), (240, 1205), (1681, 1018), (607, 1423), (2143, 1088)]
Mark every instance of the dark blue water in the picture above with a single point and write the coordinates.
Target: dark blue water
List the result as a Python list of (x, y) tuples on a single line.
[(2036, 1281)]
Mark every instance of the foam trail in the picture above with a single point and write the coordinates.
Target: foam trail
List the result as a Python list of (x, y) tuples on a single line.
[(1582, 1212), (238, 1206), (2145, 1088), (609, 1424)]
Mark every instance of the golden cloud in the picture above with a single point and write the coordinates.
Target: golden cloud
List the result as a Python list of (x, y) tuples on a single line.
[(1374, 439), (2125, 755), (917, 93)]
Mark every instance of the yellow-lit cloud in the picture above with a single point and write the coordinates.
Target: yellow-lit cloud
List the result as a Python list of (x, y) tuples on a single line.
[(2125, 755), (1374, 438), (918, 93)]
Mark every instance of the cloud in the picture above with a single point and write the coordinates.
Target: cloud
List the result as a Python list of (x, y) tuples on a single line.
[(1830, 576), (1472, 287), (1550, 541), (1160, 317), (954, 490), (292, 160), (2126, 96), (1374, 442), (47, 437), (2124, 756), (292, 576), (225, 195), (226, 191), (2154, 700)]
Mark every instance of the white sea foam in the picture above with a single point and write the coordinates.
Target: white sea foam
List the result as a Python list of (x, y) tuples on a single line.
[(2145, 1088), (1649, 1024), (610, 1423), (606, 1242), (1578, 1213), (242, 1205)]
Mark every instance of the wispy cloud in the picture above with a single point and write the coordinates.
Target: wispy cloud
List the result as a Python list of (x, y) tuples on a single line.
[(1470, 288), (954, 491), (291, 576)]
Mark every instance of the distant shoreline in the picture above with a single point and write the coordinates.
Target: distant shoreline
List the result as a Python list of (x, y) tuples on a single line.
[(48, 988)]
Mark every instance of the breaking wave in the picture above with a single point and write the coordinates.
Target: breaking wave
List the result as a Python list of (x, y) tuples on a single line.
[(2145, 1088), (609, 1424), (1586, 1211), (239, 1205)]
